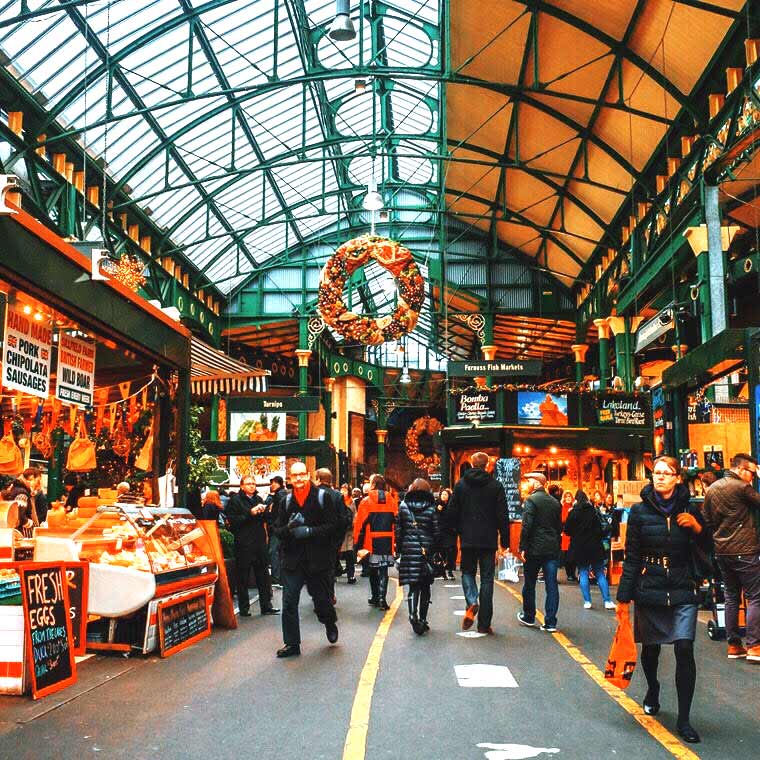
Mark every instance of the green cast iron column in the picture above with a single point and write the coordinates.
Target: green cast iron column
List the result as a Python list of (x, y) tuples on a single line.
[(183, 435), (214, 432), (604, 348)]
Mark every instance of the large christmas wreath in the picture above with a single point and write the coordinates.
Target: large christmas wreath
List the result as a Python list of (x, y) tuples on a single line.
[(394, 258), (421, 426)]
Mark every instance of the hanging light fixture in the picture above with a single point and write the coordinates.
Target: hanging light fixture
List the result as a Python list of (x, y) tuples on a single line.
[(373, 201), (342, 28), (360, 86), (405, 378)]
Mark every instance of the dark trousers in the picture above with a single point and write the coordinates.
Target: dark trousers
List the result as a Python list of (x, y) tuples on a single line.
[(244, 563), (742, 574), (319, 586), (530, 570), (451, 557), (274, 557), (350, 558), (471, 559), (378, 582)]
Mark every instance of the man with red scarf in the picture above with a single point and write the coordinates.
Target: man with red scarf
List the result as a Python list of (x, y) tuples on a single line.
[(306, 525)]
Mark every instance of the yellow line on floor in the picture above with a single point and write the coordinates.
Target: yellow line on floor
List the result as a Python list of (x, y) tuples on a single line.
[(668, 740), (355, 746)]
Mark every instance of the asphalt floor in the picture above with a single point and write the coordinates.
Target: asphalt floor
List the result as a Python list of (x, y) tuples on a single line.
[(228, 696)]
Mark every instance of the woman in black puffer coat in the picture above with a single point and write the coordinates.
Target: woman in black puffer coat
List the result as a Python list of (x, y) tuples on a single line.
[(658, 577), (417, 537)]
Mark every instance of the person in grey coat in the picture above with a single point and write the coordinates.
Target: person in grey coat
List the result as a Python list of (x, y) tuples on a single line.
[(417, 536)]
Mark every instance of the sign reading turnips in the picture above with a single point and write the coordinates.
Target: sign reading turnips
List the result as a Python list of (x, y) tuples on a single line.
[(475, 405)]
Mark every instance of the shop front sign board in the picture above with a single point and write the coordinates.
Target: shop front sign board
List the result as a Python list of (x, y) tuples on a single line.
[(45, 597), (508, 474), (480, 406), (274, 404), (27, 346), (617, 410), (510, 368), (75, 378), (183, 621), (77, 585)]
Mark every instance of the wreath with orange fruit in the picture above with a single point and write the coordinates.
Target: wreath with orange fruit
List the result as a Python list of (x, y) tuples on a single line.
[(395, 259), (421, 426)]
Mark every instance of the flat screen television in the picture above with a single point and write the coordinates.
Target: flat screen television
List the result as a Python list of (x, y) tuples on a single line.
[(541, 408)]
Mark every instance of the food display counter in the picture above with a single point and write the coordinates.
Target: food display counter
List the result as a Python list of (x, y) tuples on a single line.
[(140, 559)]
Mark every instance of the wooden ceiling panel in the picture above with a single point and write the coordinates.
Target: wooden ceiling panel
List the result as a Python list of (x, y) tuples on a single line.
[(478, 116), (609, 16), (473, 39)]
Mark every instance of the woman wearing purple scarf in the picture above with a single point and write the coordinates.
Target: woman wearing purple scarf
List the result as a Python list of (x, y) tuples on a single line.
[(658, 577)]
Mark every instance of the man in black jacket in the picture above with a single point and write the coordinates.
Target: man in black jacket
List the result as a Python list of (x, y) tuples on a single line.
[(539, 549), (325, 483), (247, 514), (306, 527), (477, 512)]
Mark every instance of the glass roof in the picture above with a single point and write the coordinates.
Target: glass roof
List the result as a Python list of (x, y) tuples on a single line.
[(242, 128), (241, 142)]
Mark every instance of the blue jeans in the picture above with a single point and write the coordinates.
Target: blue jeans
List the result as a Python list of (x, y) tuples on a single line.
[(550, 566), (485, 558), (601, 580)]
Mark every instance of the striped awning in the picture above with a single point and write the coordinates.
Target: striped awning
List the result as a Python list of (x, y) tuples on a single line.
[(212, 371)]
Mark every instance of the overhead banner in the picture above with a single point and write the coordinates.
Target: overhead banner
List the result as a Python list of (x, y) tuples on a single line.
[(616, 410), (511, 368), (274, 404), (26, 354), (478, 405), (75, 378)]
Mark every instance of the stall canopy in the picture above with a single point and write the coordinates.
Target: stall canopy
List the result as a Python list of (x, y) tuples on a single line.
[(212, 371)]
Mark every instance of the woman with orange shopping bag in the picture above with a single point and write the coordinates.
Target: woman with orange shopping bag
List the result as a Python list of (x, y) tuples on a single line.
[(658, 576)]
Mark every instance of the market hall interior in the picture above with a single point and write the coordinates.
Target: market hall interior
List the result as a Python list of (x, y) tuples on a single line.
[(281, 283)]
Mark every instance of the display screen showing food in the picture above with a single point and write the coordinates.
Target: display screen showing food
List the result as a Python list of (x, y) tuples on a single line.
[(539, 408)]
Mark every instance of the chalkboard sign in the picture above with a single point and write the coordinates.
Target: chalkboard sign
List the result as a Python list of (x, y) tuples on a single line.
[(77, 584), (508, 474), (183, 621), (48, 627)]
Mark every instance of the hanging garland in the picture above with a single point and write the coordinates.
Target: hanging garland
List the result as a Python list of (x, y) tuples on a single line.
[(429, 425), (395, 259)]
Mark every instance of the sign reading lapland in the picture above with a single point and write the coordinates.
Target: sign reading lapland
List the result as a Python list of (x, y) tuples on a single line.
[(26, 354), (75, 379)]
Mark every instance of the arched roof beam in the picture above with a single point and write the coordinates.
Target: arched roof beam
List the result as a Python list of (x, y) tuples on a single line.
[(619, 48)]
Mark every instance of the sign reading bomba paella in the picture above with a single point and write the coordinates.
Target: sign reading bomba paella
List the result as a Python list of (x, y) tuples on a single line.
[(27, 346), (475, 405), (617, 410)]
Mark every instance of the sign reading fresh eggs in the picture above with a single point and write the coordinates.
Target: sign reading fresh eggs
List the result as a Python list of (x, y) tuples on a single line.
[(75, 379), (26, 354)]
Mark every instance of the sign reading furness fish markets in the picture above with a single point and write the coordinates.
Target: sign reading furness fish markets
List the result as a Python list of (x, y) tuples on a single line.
[(27, 345), (506, 368), (75, 379)]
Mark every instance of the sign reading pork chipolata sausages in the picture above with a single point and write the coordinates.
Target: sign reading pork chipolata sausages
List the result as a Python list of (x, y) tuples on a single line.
[(27, 345)]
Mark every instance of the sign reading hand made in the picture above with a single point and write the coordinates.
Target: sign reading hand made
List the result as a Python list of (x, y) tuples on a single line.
[(395, 259)]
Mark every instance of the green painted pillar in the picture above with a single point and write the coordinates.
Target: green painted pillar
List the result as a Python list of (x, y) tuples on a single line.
[(579, 352), (488, 348), (382, 433), (55, 467), (680, 424), (303, 352), (603, 328), (214, 432), (703, 296), (327, 397), (183, 435)]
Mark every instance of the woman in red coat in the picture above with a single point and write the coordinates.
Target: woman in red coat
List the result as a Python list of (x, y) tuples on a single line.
[(567, 560), (374, 532)]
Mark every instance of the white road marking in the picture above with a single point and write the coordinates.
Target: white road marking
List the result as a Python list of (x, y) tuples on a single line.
[(459, 613), (515, 751), (452, 585), (479, 676), (471, 634), (456, 597)]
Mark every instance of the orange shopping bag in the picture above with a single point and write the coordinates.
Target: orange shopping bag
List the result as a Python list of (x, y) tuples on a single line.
[(621, 661)]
